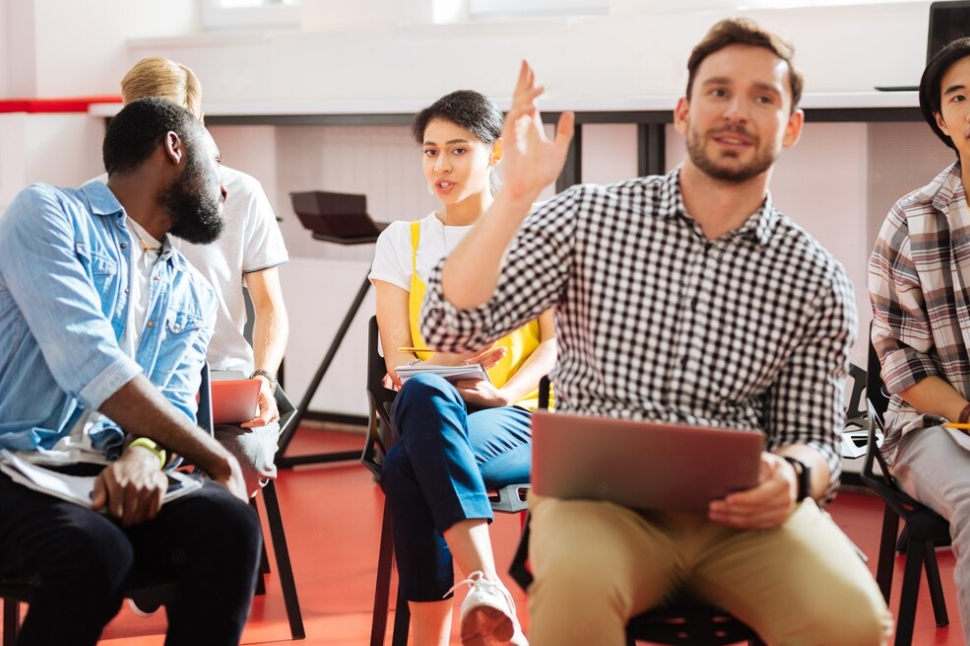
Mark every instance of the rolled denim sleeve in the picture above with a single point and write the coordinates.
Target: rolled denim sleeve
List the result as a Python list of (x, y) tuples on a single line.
[(47, 264)]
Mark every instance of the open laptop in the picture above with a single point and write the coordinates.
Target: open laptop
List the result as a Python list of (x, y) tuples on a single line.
[(639, 464), (336, 217), (948, 21)]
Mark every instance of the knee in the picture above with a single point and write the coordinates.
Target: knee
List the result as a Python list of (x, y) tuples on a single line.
[(232, 527), (423, 394), (860, 619), (90, 564)]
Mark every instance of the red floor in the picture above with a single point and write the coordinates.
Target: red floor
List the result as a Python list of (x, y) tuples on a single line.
[(332, 517)]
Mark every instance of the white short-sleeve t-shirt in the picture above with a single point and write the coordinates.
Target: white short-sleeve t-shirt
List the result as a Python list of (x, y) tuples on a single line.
[(251, 241), (392, 256)]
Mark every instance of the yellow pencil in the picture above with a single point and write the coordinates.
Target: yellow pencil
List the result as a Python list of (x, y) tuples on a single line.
[(957, 425), (410, 349)]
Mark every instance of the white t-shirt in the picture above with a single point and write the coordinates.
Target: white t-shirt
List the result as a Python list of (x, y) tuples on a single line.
[(145, 251), (392, 256), (250, 242)]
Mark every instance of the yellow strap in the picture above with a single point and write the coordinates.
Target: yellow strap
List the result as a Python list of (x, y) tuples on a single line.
[(146, 443)]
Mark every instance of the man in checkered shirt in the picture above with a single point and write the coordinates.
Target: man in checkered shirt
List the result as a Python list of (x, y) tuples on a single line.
[(683, 298), (918, 278)]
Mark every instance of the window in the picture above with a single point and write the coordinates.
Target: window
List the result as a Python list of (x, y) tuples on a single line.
[(250, 14), (504, 9)]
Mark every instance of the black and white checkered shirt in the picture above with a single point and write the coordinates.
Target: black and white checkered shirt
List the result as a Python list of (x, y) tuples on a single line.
[(654, 321)]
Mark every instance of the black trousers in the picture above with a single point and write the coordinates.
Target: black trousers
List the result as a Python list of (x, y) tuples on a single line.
[(208, 542)]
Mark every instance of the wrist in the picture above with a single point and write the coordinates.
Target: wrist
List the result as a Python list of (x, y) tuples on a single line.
[(267, 376), (803, 478), (151, 446)]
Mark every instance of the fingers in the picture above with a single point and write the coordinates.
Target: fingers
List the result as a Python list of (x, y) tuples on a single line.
[(130, 497), (526, 85), (565, 130), (767, 505), (99, 496)]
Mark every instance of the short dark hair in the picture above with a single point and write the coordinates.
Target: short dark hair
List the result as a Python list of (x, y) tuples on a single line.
[(930, 90), (139, 128), (468, 110), (740, 31)]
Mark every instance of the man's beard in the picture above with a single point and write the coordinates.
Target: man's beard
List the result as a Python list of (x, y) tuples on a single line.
[(762, 161), (196, 209)]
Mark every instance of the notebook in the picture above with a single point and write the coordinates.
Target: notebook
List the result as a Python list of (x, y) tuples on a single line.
[(644, 465), (75, 488), (948, 21), (468, 371), (234, 400), (336, 217)]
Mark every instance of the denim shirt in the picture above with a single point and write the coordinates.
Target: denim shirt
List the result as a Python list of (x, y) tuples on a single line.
[(65, 269)]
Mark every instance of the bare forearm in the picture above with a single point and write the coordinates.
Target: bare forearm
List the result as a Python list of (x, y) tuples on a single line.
[(471, 272), (935, 396), (141, 409), (539, 364), (270, 335)]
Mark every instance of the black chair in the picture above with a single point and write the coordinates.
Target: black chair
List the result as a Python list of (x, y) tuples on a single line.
[(509, 499), (274, 516), (924, 528)]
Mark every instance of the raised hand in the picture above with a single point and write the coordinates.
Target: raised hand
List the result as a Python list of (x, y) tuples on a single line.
[(531, 161)]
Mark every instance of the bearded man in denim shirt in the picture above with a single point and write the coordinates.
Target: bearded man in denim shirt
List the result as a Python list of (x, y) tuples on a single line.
[(105, 328)]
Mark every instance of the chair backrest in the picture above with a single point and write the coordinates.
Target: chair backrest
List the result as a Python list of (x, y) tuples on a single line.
[(204, 415), (287, 410), (855, 411), (882, 482), (381, 398)]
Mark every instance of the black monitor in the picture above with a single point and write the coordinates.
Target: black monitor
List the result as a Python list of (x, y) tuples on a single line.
[(948, 21)]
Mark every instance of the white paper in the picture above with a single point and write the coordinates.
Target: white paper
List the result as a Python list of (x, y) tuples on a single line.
[(78, 489)]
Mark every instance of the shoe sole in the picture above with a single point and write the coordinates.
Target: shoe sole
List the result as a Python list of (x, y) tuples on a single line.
[(485, 626)]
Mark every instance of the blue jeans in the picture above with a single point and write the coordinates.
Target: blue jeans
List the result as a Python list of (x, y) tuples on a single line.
[(438, 473)]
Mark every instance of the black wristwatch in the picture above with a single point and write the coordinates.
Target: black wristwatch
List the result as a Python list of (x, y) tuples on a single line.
[(269, 376), (803, 473)]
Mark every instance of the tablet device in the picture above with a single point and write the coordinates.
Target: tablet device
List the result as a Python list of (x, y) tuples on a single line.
[(234, 400), (641, 464)]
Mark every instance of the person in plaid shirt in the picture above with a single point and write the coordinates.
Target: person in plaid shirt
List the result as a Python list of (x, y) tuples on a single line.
[(918, 278), (683, 298)]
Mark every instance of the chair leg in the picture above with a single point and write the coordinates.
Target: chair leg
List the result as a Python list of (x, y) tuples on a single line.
[(887, 552), (935, 585), (906, 618), (382, 590), (263, 559), (11, 621), (402, 620), (284, 567)]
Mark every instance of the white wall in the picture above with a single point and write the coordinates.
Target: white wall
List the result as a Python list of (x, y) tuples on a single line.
[(627, 54)]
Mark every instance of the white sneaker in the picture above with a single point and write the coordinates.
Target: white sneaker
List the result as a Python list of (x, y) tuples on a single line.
[(141, 611), (488, 614)]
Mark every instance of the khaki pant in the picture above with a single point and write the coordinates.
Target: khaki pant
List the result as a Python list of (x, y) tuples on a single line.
[(597, 564)]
